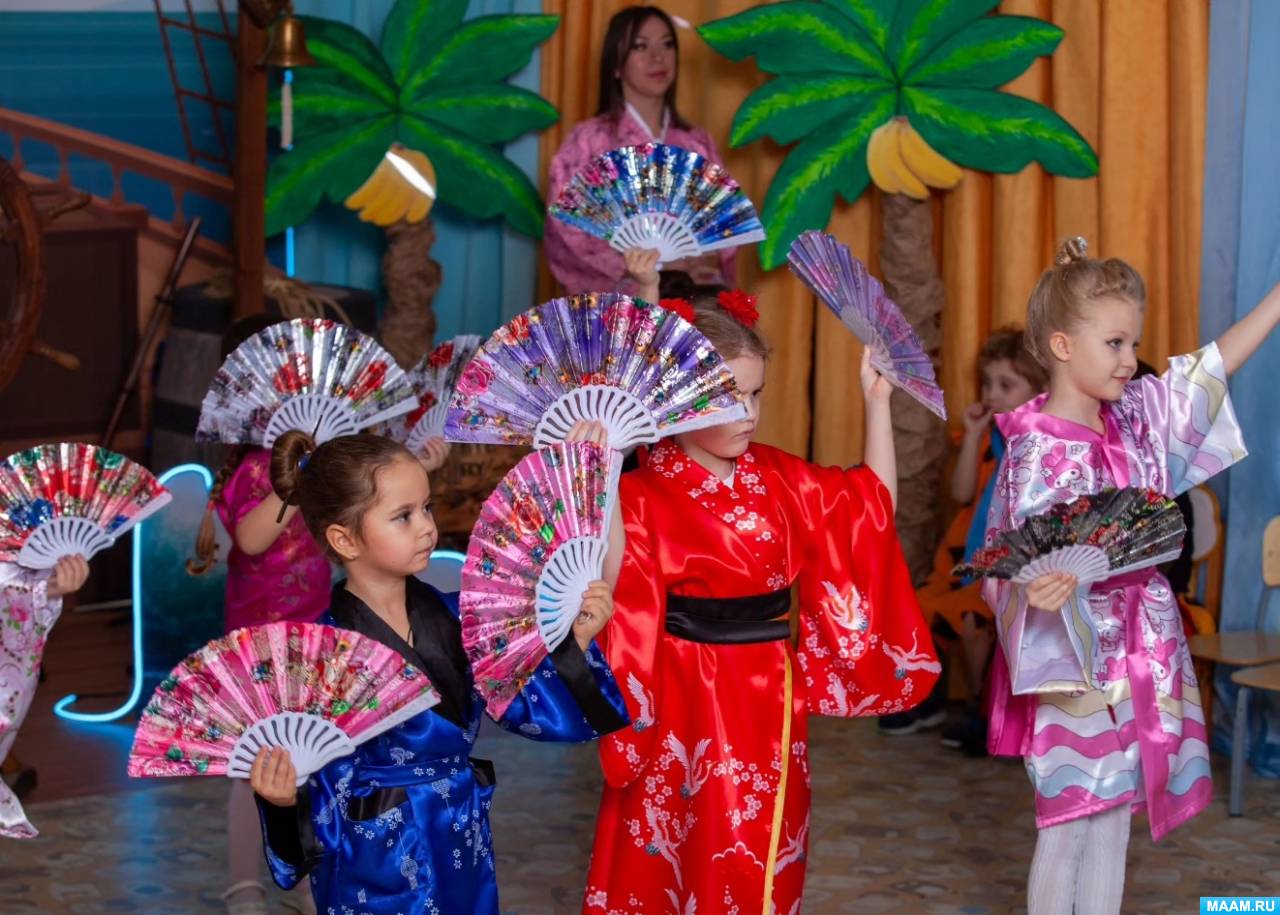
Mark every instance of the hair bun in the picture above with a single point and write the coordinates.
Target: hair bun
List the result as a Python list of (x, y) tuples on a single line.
[(289, 455), (1072, 250)]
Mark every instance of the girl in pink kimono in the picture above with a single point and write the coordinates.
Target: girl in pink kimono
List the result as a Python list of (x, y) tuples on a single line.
[(1122, 731), (30, 603), (638, 67)]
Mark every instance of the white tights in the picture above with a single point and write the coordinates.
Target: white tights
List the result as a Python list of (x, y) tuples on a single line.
[(1079, 865)]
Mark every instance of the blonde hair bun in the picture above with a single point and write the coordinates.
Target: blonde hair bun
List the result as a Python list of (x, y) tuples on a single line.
[(1072, 250)]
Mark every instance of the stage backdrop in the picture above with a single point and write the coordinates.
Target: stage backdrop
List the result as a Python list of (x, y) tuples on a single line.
[(1241, 262), (489, 270), (1142, 110)]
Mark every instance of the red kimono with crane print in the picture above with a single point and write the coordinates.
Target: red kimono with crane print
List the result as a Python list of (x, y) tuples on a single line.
[(706, 802)]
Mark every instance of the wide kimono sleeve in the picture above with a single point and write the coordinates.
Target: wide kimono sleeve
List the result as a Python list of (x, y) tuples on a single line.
[(864, 647), (1186, 418), (1037, 655), (632, 641), (569, 700), (572, 700), (27, 614), (289, 833)]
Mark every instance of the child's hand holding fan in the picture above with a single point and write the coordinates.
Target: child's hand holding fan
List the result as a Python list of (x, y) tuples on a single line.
[(315, 691), (532, 577), (1060, 554)]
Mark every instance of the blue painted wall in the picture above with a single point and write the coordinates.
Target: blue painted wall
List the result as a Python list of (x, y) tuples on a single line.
[(1241, 262), (106, 72)]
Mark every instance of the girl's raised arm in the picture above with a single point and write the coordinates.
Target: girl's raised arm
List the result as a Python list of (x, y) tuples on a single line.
[(1240, 340)]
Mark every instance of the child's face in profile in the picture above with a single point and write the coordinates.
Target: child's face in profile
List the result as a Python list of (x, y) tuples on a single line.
[(1003, 389), (730, 441)]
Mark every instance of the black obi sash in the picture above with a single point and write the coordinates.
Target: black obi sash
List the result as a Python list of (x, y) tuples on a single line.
[(730, 620)]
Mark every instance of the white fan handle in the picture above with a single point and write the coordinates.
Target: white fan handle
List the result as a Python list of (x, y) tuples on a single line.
[(1087, 563), (430, 426), (323, 416), (313, 742), (59, 537), (558, 596), (625, 417), (672, 238)]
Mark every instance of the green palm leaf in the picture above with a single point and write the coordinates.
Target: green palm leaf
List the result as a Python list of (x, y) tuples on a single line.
[(476, 178), (875, 17), (489, 114), (790, 107), (997, 132), (329, 165), (922, 25), (487, 49), (795, 37), (414, 32), (324, 100), (348, 52), (987, 53), (832, 160)]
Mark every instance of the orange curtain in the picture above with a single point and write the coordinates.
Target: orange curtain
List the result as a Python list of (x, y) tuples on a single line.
[(1131, 77)]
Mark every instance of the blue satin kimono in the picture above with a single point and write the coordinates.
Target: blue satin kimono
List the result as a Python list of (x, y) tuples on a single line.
[(402, 825)]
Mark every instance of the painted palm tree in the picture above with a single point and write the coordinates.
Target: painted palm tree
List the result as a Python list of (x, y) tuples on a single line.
[(377, 125), (901, 93)]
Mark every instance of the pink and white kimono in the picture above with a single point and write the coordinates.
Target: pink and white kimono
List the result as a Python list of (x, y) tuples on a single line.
[(581, 262), (27, 614), (1138, 738)]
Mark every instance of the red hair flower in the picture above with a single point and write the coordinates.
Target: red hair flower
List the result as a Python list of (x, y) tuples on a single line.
[(682, 307), (741, 305)]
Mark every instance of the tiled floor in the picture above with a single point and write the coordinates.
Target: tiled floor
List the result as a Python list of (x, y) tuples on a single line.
[(900, 825)]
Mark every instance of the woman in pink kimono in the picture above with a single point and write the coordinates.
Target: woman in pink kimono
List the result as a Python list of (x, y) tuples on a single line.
[(638, 68), (30, 603), (1126, 735)]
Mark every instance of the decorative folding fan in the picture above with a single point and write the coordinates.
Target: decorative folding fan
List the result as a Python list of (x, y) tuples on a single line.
[(434, 380), (314, 690), (642, 370), (1093, 538), (308, 374), (859, 301), (657, 196), (69, 498), (539, 541)]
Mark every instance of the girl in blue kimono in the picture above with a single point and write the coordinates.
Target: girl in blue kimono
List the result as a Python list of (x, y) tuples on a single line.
[(402, 825)]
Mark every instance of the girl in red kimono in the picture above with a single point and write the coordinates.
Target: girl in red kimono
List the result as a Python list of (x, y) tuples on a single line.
[(706, 802)]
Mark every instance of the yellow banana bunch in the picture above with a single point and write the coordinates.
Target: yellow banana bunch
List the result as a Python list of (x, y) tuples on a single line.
[(901, 162), (403, 186)]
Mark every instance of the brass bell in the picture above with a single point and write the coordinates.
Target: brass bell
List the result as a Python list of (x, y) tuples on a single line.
[(288, 47)]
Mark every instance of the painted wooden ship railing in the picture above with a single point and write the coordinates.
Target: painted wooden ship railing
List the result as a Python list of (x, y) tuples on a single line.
[(182, 178)]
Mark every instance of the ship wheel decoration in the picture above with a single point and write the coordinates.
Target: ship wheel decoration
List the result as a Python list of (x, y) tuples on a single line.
[(24, 212)]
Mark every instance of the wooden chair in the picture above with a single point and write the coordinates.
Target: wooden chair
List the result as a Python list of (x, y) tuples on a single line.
[(1249, 649), (1266, 677), (1207, 548)]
